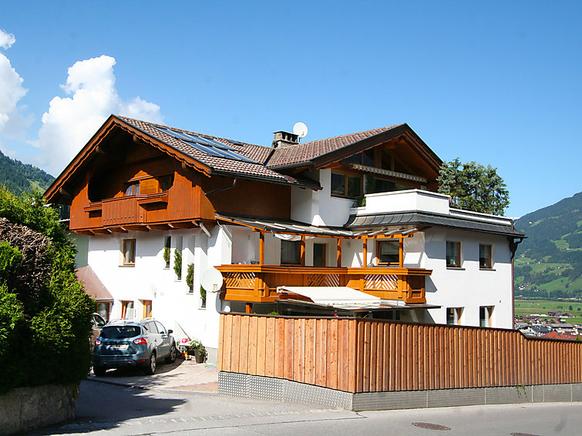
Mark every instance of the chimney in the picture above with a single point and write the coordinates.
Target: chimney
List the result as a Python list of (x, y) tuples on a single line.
[(282, 138)]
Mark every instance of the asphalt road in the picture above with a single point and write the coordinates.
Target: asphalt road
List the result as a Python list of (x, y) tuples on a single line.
[(129, 411)]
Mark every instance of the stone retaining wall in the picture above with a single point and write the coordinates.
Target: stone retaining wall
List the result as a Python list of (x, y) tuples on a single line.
[(24, 409)]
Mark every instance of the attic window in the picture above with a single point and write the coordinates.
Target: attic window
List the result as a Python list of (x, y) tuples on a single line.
[(132, 189)]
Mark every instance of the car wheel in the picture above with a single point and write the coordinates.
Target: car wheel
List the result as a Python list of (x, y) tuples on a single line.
[(151, 366), (172, 356), (98, 371)]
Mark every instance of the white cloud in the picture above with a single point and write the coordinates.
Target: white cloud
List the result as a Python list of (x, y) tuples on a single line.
[(6, 39), (92, 96), (13, 120)]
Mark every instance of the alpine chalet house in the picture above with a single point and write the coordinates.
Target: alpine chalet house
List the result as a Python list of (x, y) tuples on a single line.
[(349, 225)]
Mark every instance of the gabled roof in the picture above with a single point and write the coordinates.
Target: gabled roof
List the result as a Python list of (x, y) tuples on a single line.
[(326, 150), (302, 153)]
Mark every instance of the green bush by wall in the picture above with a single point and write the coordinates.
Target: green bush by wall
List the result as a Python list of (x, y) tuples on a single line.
[(45, 316)]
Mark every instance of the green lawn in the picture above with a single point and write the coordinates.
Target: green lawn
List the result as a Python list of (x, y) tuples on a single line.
[(526, 307)]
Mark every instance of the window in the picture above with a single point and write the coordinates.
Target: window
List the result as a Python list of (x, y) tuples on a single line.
[(127, 310), (486, 316), (161, 328), (453, 254), (132, 189), (147, 308), (388, 252), (343, 185), (454, 315), (290, 252), (151, 327), (485, 257), (128, 252), (319, 254)]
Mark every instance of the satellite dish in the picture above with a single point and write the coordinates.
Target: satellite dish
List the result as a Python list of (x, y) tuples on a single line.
[(211, 280), (300, 129)]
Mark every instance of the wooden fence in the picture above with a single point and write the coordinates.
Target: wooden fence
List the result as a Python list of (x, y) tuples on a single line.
[(357, 355)]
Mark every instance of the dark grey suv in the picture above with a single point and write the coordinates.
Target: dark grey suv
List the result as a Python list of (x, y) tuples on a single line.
[(133, 344)]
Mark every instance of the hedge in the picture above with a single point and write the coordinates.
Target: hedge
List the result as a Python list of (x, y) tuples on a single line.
[(45, 316)]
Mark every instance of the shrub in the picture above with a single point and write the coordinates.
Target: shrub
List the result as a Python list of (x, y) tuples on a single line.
[(203, 296), (45, 316), (190, 276), (178, 264)]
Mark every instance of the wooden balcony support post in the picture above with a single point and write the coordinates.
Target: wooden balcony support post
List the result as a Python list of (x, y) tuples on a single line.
[(302, 251), (401, 252), (365, 251), (339, 252), (249, 308), (261, 248)]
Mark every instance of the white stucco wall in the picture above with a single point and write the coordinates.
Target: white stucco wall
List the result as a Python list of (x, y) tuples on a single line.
[(468, 287), (150, 280), (319, 207)]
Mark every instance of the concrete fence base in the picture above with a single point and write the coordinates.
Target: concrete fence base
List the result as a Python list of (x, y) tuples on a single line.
[(269, 388), (24, 409)]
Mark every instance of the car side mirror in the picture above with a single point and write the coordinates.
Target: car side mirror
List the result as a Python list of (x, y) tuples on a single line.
[(170, 331)]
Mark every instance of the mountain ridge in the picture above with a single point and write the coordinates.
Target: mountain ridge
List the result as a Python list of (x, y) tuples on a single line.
[(19, 177)]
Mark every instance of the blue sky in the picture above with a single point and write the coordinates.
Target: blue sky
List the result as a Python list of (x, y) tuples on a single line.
[(499, 83)]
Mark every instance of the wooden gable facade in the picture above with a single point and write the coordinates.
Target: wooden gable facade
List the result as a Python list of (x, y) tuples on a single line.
[(125, 180)]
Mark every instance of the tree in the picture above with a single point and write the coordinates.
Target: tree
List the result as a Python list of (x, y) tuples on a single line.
[(473, 186)]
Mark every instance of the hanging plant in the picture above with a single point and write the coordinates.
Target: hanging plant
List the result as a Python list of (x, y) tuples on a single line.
[(167, 256), (178, 264), (190, 276), (203, 296)]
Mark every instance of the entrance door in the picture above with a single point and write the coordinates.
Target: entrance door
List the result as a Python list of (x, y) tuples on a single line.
[(319, 254)]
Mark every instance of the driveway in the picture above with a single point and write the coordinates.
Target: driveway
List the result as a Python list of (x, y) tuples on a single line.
[(182, 375)]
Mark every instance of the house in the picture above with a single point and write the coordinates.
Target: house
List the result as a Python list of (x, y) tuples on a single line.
[(349, 225)]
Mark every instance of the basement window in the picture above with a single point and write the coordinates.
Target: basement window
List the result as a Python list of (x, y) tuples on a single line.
[(454, 315)]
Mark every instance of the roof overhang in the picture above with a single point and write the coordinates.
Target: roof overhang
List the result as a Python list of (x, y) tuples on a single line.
[(93, 286), (417, 219), (289, 227)]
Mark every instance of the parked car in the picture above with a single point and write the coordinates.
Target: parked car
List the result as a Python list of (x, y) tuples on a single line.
[(97, 323), (133, 344)]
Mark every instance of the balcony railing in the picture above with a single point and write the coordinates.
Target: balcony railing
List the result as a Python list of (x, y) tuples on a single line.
[(258, 283)]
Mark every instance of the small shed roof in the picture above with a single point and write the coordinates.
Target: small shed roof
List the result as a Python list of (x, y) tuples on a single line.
[(92, 284)]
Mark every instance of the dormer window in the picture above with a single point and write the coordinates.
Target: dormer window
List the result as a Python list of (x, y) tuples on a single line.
[(132, 189)]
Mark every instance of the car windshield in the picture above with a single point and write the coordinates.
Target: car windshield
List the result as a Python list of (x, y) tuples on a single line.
[(120, 332)]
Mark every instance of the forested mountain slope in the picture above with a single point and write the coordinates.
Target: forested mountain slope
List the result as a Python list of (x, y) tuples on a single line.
[(549, 261), (19, 177)]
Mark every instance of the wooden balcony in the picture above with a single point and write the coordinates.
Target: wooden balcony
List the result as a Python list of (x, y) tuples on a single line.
[(258, 283), (173, 208)]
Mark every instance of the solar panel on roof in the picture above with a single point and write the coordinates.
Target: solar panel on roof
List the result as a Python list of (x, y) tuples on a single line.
[(206, 146)]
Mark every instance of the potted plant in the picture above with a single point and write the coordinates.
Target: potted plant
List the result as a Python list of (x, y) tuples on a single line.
[(199, 350)]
